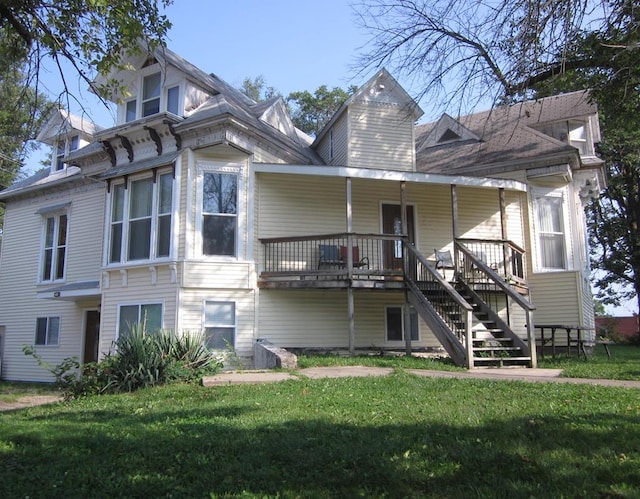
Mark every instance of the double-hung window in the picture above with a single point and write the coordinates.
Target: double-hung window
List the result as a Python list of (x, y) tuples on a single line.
[(550, 226), (151, 87), (54, 248), (141, 219), (220, 324), (219, 211), (47, 330), (148, 315)]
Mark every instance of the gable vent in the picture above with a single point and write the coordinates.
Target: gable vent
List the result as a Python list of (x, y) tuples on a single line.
[(449, 135)]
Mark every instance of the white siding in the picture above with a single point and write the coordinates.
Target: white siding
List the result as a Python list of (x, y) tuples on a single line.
[(19, 268), (335, 141), (318, 319), (380, 137), (137, 285), (192, 314), (555, 296)]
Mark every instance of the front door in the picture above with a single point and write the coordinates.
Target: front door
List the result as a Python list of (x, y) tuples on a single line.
[(91, 336), (392, 224)]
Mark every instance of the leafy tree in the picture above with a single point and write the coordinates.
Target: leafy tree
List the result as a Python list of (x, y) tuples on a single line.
[(89, 36), (257, 89), (312, 111)]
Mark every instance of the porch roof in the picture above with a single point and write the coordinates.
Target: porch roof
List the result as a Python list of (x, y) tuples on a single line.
[(393, 175)]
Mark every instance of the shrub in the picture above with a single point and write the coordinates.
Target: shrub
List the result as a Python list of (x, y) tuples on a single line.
[(139, 360)]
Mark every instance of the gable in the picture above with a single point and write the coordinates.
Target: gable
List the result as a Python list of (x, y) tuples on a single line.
[(448, 130)]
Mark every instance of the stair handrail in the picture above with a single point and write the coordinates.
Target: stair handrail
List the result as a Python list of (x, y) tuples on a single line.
[(412, 285), (509, 291)]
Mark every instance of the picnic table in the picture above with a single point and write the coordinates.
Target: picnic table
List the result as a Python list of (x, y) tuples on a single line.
[(575, 338)]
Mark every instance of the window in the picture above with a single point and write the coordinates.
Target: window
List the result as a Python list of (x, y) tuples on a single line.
[(219, 213), (578, 136), (549, 209), (151, 86), (64, 147), (54, 250), (141, 219), (148, 314), (219, 324), (394, 324), (130, 111), (47, 330), (173, 101)]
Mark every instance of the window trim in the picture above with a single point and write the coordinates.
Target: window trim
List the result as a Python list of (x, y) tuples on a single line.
[(562, 194), (233, 326), (47, 332), (225, 168), (165, 86), (413, 316), (46, 216), (155, 177)]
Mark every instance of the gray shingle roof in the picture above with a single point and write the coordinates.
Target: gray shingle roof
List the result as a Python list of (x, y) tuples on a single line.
[(507, 137)]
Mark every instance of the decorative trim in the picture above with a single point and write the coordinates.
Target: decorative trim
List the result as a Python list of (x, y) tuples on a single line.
[(127, 145), (110, 151), (124, 276), (176, 136), (153, 133)]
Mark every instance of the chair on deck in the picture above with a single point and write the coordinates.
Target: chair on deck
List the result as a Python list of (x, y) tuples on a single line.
[(329, 256), (444, 261), (355, 253)]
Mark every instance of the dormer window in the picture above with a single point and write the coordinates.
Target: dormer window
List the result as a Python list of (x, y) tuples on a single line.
[(151, 86), (573, 132), (65, 146), (153, 99), (578, 136)]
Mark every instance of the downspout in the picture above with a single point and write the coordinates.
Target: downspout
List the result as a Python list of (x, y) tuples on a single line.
[(350, 299)]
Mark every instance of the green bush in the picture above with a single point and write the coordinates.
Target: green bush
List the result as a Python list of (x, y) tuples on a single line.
[(140, 359)]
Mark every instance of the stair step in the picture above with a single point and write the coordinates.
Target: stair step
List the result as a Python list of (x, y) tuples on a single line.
[(497, 349)]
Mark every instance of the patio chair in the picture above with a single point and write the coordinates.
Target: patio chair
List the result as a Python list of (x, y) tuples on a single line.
[(444, 261), (329, 256), (355, 253)]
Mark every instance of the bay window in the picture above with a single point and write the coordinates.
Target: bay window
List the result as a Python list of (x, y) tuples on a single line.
[(219, 213), (151, 86), (141, 219)]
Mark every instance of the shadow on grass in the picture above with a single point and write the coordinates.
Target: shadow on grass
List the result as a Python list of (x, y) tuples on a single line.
[(214, 451)]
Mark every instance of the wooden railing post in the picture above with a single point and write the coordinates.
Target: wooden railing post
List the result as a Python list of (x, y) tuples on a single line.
[(469, 338), (531, 337)]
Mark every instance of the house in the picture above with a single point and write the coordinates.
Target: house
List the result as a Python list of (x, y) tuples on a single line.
[(625, 329), (202, 210)]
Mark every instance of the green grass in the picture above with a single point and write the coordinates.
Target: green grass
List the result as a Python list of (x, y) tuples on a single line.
[(624, 363), (393, 436)]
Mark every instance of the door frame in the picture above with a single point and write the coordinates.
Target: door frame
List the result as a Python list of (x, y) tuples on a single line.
[(412, 226)]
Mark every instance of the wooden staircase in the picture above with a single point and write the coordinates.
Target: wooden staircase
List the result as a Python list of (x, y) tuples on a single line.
[(467, 327)]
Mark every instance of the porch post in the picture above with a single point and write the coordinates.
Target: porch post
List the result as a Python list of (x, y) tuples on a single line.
[(454, 226), (503, 225), (405, 233), (350, 300)]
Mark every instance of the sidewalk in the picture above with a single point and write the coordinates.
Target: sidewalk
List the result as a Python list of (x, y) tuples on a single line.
[(510, 374)]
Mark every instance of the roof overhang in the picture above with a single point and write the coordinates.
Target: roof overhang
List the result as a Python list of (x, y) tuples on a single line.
[(72, 292), (142, 165), (393, 175)]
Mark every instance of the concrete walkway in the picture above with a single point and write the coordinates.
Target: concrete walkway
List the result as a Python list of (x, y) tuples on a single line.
[(511, 373)]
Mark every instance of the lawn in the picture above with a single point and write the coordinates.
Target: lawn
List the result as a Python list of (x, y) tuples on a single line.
[(393, 436)]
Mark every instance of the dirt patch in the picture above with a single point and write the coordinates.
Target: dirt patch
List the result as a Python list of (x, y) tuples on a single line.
[(30, 401)]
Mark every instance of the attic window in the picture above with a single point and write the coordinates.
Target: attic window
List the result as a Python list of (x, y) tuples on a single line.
[(448, 136)]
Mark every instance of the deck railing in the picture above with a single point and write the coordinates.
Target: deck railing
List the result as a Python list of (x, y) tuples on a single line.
[(328, 254), (504, 257)]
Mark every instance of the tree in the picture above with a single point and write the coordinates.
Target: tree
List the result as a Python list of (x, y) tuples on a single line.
[(479, 49), (89, 36), (258, 90), (310, 112), (512, 49)]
